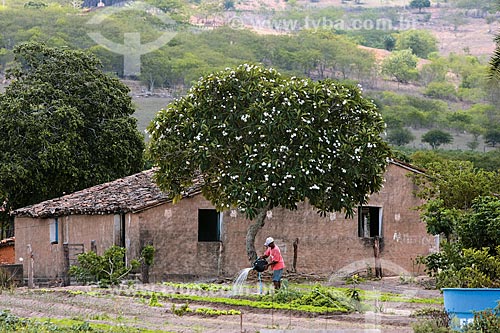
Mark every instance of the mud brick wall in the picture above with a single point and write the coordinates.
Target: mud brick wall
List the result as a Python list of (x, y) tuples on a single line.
[(327, 245), (173, 230), (49, 262), (330, 245)]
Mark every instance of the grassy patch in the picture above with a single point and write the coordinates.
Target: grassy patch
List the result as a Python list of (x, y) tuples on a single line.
[(398, 298), (214, 312), (12, 323), (198, 286)]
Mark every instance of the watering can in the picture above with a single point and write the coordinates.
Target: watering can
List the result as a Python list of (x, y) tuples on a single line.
[(260, 265)]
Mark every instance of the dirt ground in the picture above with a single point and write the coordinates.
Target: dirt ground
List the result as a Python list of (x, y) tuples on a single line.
[(116, 309)]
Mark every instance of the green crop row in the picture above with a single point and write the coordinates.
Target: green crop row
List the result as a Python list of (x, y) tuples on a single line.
[(11, 323)]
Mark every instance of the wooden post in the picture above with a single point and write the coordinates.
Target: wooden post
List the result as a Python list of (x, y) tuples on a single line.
[(31, 265), (295, 246), (376, 252), (66, 278)]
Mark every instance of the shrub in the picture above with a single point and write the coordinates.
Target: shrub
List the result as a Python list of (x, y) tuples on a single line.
[(153, 301), (441, 90), (428, 326), (484, 321), (464, 268), (108, 269), (431, 320), (148, 253), (181, 311)]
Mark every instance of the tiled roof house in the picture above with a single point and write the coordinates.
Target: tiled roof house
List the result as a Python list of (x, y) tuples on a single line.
[(193, 240)]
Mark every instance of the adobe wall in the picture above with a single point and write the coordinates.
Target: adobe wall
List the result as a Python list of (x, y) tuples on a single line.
[(33, 238), (326, 245), (173, 230)]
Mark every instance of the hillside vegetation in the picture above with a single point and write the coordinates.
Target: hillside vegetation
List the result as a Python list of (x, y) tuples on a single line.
[(416, 90)]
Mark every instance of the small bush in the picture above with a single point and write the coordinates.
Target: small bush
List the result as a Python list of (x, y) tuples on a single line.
[(108, 269), (431, 320), (148, 253), (153, 301), (428, 326), (441, 90), (484, 321), (464, 268), (182, 310)]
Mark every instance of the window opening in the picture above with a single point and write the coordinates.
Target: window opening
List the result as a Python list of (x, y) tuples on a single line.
[(209, 225), (54, 231), (369, 221)]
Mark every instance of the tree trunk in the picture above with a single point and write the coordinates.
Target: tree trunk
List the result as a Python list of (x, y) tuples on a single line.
[(260, 220)]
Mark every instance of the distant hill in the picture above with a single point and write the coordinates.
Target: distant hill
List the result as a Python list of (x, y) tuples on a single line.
[(94, 3)]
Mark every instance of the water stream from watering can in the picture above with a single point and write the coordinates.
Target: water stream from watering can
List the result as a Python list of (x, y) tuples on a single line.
[(240, 281)]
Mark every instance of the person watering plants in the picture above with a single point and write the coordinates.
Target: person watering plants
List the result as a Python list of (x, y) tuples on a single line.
[(277, 263)]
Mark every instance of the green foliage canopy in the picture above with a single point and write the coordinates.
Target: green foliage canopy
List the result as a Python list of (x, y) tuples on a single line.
[(402, 65), (456, 183), (480, 227), (420, 42), (65, 126), (437, 137), (260, 140), (420, 4), (492, 136), (400, 136)]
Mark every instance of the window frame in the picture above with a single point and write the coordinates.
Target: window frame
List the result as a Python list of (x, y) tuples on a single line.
[(54, 231), (214, 219), (366, 216)]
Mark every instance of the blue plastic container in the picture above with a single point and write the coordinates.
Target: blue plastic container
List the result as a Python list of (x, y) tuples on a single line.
[(461, 303)]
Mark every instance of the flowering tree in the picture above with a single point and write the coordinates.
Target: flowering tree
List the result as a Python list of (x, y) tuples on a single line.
[(259, 141)]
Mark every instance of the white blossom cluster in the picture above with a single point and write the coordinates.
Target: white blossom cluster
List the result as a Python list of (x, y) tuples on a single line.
[(299, 140)]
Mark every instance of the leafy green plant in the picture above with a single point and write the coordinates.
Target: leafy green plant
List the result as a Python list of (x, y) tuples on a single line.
[(464, 268), (324, 297), (266, 302), (284, 295), (153, 301), (181, 311), (11, 323), (108, 269), (214, 312), (484, 321), (353, 292), (429, 326), (198, 286), (148, 253)]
